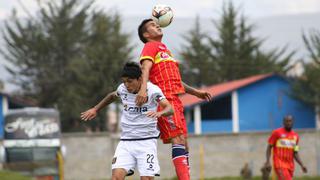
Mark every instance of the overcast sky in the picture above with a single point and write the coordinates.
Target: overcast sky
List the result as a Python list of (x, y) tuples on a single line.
[(279, 21), (184, 8)]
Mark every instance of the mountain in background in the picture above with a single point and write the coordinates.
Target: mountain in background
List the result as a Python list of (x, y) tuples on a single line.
[(278, 31)]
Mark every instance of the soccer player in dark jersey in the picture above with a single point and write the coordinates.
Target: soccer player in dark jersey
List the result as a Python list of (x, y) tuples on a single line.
[(161, 68), (284, 142)]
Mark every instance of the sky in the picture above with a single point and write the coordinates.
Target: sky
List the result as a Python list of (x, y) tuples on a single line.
[(182, 8), (279, 21)]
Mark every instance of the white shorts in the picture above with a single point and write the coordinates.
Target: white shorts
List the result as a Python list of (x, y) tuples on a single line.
[(141, 154)]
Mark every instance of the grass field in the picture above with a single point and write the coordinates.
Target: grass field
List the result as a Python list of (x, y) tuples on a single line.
[(6, 175), (256, 178), (259, 178)]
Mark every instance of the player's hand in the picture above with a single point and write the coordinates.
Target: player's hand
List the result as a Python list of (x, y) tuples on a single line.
[(304, 169), (267, 166), (141, 98), (153, 114), (204, 95), (89, 114)]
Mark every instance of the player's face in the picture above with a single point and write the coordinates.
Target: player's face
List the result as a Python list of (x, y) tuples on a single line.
[(288, 123), (132, 85), (153, 30)]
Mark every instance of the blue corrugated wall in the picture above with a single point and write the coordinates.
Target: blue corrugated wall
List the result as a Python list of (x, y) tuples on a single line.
[(263, 105)]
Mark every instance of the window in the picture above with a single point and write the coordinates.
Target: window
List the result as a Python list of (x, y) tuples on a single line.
[(218, 109)]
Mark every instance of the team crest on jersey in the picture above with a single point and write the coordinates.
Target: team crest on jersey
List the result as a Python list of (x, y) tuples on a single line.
[(114, 160), (283, 135), (164, 55), (125, 97)]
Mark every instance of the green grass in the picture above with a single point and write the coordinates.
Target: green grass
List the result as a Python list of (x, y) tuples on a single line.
[(259, 178), (7, 175), (254, 178)]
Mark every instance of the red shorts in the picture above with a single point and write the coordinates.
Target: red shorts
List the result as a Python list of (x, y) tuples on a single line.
[(284, 174), (175, 125)]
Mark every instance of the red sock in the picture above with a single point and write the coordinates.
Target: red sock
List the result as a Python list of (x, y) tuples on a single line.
[(180, 161)]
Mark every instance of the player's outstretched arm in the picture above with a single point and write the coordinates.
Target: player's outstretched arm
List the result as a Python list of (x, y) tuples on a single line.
[(196, 92), (167, 110), (298, 159), (92, 113), (142, 94)]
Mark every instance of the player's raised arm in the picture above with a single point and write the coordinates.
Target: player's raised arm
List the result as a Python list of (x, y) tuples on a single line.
[(196, 92), (142, 94), (92, 113), (166, 107)]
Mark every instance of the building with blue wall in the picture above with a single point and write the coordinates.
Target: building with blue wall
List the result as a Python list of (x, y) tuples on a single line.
[(256, 103)]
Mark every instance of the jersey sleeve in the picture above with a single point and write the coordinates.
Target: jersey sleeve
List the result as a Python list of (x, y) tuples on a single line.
[(119, 89), (149, 52), (157, 94), (273, 138)]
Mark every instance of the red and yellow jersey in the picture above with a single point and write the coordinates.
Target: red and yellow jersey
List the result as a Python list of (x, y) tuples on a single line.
[(284, 145), (165, 70)]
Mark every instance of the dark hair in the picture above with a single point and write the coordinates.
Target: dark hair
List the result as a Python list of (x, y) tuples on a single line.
[(287, 117), (131, 70), (142, 29)]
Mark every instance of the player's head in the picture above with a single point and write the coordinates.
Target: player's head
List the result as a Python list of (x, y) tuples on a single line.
[(288, 122), (131, 76), (149, 30)]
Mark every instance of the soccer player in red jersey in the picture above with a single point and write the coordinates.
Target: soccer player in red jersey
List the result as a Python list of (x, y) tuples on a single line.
[(159, 66), (284, 142)]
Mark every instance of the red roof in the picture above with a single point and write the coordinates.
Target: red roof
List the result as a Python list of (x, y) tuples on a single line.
[(219, 89)]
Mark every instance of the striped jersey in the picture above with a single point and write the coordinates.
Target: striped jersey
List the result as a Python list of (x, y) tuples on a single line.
[(135, 125), (284, 145), (165, 69)]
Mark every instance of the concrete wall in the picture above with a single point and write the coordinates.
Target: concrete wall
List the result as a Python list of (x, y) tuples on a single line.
[(89, 156)]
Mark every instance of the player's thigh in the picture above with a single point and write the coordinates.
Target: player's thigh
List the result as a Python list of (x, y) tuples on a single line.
[(147, 158), (123, 158), (118, 174), (146, 178)]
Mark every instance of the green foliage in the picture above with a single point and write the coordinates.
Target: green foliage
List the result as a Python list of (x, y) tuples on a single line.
[(68, 56), (235, 53), (307, 88)]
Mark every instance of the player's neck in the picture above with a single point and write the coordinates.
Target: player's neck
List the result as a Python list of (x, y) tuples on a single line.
[(155, 40)]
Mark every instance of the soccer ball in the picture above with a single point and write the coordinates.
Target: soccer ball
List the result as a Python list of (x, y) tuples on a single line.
[(162, 14)]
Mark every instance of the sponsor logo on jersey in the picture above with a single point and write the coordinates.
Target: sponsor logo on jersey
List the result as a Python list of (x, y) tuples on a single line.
[(286, 143), (135, 109)]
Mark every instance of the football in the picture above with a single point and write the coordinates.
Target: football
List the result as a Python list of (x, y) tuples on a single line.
[(162, 14)]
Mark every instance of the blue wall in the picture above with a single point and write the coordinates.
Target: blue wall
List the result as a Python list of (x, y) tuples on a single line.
[(209, 126), (1, 117), (263, 105)]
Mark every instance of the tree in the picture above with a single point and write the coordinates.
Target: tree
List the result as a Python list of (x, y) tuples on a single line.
[(66, 55), (307, 87), (197, 67), (235, 53), (1, 85)]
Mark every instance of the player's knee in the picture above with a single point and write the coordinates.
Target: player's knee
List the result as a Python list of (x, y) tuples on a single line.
[(118, 174), (147, 178), (117, 178)]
